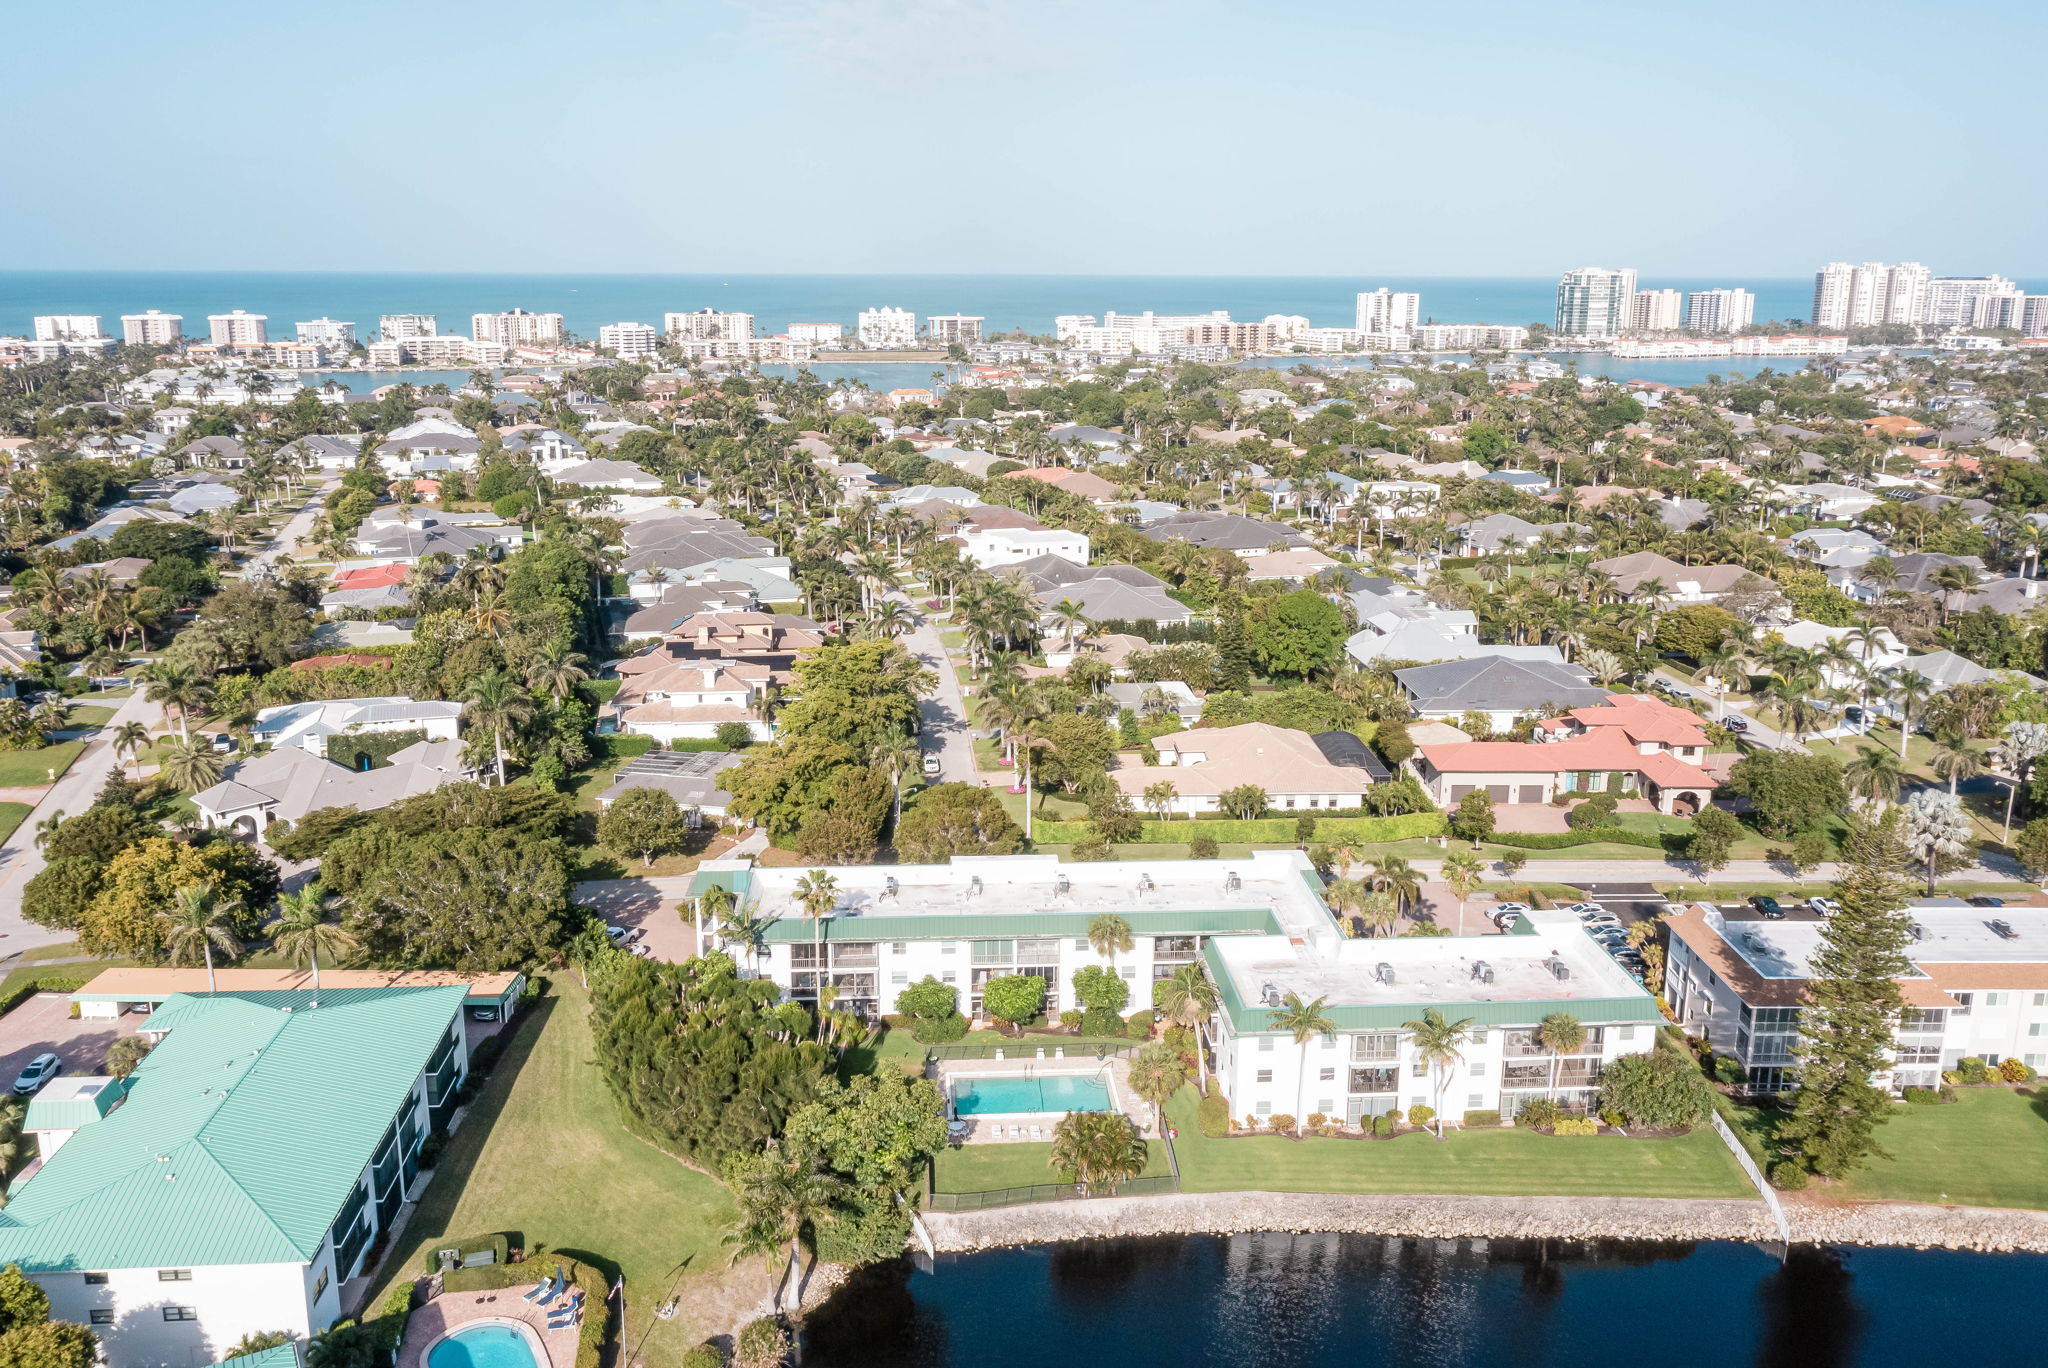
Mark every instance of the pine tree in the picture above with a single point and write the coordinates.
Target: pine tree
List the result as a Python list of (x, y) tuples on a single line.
[(1853, 1005), (1233, 648)]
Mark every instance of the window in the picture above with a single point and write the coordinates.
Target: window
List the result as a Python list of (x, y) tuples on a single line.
[(1921, 1019), (899, 947), (1265, 1076), (1479, 1070), (948, 948), (1994, 999), (1628, 1033), (1265, 1044), (102, 1315), (320, 1284), (1264, 1109), (948, 976), (174, 1275), (2037, 1061), (1326, 1076), (1040, 951), (1476, 1036), (1081, 943), (1326, 1105), (1474, 1101), (1367, 1049), (181, 1313), (2033, 1029), (1418, 1102), (1963, 1001), (95, 1280), (899, 977), (2041, 999), (1129, 971), (1374, 1080), (1417, 1069)]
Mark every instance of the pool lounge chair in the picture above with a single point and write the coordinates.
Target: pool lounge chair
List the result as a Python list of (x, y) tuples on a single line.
[(567, 1315), (547, 1291), (1037, 1134)]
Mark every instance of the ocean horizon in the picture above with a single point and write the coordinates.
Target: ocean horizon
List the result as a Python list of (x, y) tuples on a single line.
[(588, 301)]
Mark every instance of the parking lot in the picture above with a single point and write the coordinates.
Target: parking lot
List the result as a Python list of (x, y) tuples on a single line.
[(44, 1023), (646, 905)]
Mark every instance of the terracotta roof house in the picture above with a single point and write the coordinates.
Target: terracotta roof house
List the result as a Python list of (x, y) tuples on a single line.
[(1628, 745), (1077, 482)]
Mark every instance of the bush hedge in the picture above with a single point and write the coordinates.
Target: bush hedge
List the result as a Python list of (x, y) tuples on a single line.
[(1261, 830), (1575, 1125), (498, 1242), (1564, 840), (1383, 1125), (1213, 1115), (1481, 1118), (1929, 1097), (1787, 1176), (47, 983)]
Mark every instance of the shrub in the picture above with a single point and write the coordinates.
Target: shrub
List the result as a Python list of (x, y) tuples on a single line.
[(1421, 1116), (1478, 1118), (1788, 1176), (703, 1356), (1383, 1125), (1251, 1123), (1614, 1118), (940, 1030), (1972, 1070), (1071, 1018), (1139, 1024), (1922, 1097), (2015, 1070), (1728, 1071), (1101, 1021), (1316, 1121), (1280, 1122), (1575, 1125), (1202, 848), (1395, 1115), (1662, 1088), (761, 1344), (1213, 1115), (1596, 811), (1564, 840), (1539, 1112)]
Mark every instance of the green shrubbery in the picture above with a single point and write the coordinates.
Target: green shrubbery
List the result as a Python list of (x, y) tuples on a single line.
[(1261, 830), (1421, 1116), (1575, 1125), (1383, 1125), (1480, 1118), (1539, 1113), (1139, 1024), (1564, 840), (1788, 1176), (1929, 1097), (1213, 1114)]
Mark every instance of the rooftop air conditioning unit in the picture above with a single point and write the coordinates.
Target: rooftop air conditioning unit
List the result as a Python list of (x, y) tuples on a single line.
[(1559, 970), (1062, 886), (889, 887), (1269, 995), (1384, 972), (1145, 884), (974, 886), (1231, 882), (2003, 929), (1482, 971)]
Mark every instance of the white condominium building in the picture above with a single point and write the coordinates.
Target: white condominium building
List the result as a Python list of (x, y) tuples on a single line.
[(2034, 316), (1719, 311), (816, 334), (1594, 301), (1870, 295), (1654, 310), (152, 329), (1470, 337), (330, 333), (628, 339), (68, 328), (400, 327), (950, 328), (1952, 301), (708, 325), (887, 327), (1386, 311), (238, 329), (517, 328)]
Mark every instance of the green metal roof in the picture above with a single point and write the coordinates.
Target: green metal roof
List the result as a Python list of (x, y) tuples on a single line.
[(733, 881), (1256, 1020), (243, 1132), (996, 925), (70, 1103), (283, 1356)]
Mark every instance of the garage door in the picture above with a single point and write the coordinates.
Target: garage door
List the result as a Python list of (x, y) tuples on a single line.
[(1460, 790), (1500, 792), (1531, 793)]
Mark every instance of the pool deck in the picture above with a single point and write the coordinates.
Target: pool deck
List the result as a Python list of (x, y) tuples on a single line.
[(452, 1310), (1018, 1127)]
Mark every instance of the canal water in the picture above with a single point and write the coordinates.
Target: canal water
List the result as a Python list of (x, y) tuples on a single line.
[(1354, 1301)]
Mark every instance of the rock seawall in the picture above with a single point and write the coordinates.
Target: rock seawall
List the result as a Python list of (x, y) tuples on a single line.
[(1458, 1217)]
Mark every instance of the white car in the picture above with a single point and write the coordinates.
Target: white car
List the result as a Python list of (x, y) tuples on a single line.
[(1499, 908), (1827, 907), (931, 764), (1585, 909), (40, 1070)]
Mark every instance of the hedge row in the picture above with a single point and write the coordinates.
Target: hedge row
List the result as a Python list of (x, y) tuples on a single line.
[(48, 983), (591, 1282), (1562, 840), (1261, 830)]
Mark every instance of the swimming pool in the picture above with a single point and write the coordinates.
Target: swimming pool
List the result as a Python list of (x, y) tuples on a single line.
[(487, 1344), (1054, 1093)]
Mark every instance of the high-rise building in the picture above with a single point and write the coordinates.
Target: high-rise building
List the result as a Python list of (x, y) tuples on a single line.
[(1654, 310), (330, 333), (887, 327), (152, 329), (1719, 311), (628, 339), (946, 329), (2005, 309), (2034, 316), (68, 328), (1385, 311), (1870, 294), (708, 325), (1594, 301), (1952, 301), (403, 327), (816, 334), (517, 328), (238, 329)]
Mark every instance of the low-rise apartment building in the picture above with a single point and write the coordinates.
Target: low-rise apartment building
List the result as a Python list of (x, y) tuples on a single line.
[(1979, 987)]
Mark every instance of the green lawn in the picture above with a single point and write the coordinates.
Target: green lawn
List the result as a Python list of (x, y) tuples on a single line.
[(978, 1168), (10, 817), (1988, 1149), (87, 715), (34, 768), (1492, 1162), (544, 1153)]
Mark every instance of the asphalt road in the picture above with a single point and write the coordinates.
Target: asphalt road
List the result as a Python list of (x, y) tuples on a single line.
[(942, 727)]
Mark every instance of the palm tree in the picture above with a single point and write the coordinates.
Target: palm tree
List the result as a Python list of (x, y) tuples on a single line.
[(1072, 618), (1098, 1147), (781, 1201), (191, 766), (557, 672), (1393, 874), (1874, 774), (1304, 1021), (1462, 870), (1110, 935), (301, 928), (498, 704), (175, 686), (47, 828), (1156, 1074), (199, 921), (1955, 761), (1911, 689), (817, 893), (1561, 1033), (1188, 997), (1436, 1043), (902, 757)]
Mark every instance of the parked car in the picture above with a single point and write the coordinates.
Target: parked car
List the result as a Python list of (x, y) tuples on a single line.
[(1598, 917), (1583, 909), (223, 744), (1767, 908), (40, 1070), (1827, 907), (1499, 908), (625, 935), (931, 764), (642, 949), (1736, 724), (1853, 715)]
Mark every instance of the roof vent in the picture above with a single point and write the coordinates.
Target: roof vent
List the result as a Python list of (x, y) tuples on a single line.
[(1145, 884), (2003, 929), (974, 886), (1231, 882), (1384, 972), (1559, 970), (1062, 886), (1482, 971), (889, 887)]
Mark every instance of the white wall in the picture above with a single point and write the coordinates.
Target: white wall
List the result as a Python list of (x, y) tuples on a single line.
[(232, 1300)]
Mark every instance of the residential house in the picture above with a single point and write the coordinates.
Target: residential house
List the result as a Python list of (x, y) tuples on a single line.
[(1248, 537), (1079, 483), (1826, 502), (998, 546), (690, 777), (285, 784), (1502, 689), (1298, 566), (1504, 532), (1884, 653), (690, 699), (1681, 583), (681, 601), (309, 725), (1628, 744), (625, 475), (1204, 764), (1165, 696)]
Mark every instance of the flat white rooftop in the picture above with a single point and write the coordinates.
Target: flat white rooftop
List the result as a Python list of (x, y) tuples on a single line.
[(1947, 935)]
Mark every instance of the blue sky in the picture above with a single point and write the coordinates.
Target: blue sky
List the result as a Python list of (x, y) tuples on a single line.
[(1089, 136)]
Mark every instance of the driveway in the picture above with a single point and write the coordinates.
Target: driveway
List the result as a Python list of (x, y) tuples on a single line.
[(44, 1023), (943, 716), (649, 904)]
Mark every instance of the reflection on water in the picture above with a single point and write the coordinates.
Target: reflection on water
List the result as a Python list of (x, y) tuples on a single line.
[(1277, 1301)]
